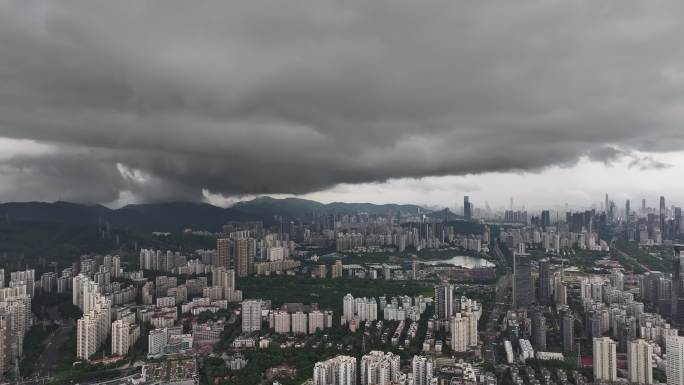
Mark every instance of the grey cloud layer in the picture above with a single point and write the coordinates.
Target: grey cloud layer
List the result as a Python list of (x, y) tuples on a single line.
[(291, 97)]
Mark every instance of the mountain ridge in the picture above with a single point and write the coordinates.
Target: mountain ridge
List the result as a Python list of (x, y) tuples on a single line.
[(179, 215)]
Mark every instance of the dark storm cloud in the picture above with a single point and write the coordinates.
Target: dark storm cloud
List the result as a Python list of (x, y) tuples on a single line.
[(163, 99), (645, 163)]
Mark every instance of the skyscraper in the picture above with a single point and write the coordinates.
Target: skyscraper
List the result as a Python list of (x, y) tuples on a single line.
[(523, 291), (236, 253), (639, 356), (251, 315), (568, 331), (677, 287), (467, 208), (544, 281), (348, 307), (422, 368), (605, 359), (120, 340), (340, 370), (459, 333), (663, 213), (379, 368), (444, 301), (95, 325), (674, 345), (6, 354), (244, 254), (545, 219), (539, 331), (223, 250), (627, 211)]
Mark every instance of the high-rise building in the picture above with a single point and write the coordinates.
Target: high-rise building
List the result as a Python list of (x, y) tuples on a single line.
[(27, 277), (251, 315), (422, 368), (148, 293), (523, 290), (340, 370), (568, 331), (467, 208), (120, 340), (225, 279), (605, 359), (471, 333), (379, 368), (348, 307), (6, 343), (223, 253), (281, 322), (677, 287), (539, 331), (245, 252), (299, 322), (674, 345), (663, 214), (337, 269), (95, 325), (15, 306), (459, 333), (316, 321), (639, 357), (545, 220), (444, 301), (544, 281)]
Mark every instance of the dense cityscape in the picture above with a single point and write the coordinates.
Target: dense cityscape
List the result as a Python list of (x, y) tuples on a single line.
[(335, 192), (412, 298)]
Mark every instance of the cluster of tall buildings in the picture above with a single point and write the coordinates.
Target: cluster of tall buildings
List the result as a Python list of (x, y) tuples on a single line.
[(459, 318), (125, 333), (237, 252), (639, 361), (340, 370), (299, 320), (653, 226), (95, 325), (15, 316), (551, 287), (374, 368), (356, 310)]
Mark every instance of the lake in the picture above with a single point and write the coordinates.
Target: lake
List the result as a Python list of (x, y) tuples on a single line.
[(463, 261)]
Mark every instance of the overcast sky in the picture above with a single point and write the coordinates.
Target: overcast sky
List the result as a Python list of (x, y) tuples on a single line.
[(384, 101)]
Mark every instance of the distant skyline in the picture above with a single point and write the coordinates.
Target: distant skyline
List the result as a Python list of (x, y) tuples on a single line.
[(581, 185), (387, 101)]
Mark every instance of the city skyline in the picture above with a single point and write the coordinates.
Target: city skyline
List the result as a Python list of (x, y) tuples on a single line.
[(328, 192)]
